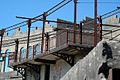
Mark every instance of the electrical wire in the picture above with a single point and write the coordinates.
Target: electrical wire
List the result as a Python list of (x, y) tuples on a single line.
[(111, 15), (100, 2), (42, 14), (60, 7), (21, 24), (110, 12), (106, 15), (13, 26)]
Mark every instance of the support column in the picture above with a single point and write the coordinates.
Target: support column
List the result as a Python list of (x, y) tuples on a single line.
[(29, 24), (1, 34), (95, 23), (75, 16), (47, 41), (100, 27), (43, 32), (80, 32), (16, 50)]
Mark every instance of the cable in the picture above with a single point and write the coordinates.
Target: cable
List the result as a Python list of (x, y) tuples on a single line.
[(23, 23), (111, 15), (60, 7), (103, 16), (109, 12), (99, 2), (56, 5)]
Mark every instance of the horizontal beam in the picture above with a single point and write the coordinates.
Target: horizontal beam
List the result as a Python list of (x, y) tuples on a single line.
[(110, 25), (107, 30), (46, 20), (45, 61)]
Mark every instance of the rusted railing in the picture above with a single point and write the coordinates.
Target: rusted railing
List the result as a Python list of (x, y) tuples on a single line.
[(57, 40)]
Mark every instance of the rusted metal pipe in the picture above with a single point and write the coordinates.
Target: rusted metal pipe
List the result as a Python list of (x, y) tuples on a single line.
[(16, 49), (95, 23), (75, 16), (47, 41), (43, 31), (80, 32), (33, 54), (29, 24), (1, 34), (111, 25), (67, 37), (100, 19)]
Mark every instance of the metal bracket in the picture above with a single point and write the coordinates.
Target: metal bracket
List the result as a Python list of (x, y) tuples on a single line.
[(34, 67), (22, 71), (68, 58)]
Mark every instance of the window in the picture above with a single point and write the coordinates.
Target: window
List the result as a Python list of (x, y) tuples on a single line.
[(37, 49), (30, 52), (22, 54)]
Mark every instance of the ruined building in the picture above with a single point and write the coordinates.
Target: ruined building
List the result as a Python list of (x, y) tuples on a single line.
[(63, 56)]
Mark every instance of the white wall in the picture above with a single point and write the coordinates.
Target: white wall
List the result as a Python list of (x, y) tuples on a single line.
[(59, 69)]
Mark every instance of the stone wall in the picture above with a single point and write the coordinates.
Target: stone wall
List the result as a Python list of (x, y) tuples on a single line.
[(59, 69), (10, 76), (105, 56), (9, 43)]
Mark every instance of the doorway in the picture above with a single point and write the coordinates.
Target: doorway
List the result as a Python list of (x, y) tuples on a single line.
[(47, 72), (116, 74)]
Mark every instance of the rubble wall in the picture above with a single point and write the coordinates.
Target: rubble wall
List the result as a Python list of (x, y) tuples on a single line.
[(102, 58), (59, 69)]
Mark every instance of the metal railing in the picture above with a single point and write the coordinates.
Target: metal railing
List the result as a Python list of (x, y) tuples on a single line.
[(56, 40)]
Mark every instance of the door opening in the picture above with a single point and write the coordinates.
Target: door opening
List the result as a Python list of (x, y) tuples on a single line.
[(47, 72), (116, 74)]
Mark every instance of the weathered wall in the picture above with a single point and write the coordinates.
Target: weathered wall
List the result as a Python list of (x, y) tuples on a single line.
[(9, 43), (59, 69), (31, 74), (42, 72), (10, 76), (91, 66)]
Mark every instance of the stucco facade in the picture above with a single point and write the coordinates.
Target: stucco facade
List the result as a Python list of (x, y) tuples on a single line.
[(58, 57)]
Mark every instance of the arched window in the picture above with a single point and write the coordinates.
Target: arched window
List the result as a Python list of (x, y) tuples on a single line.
[(37, 49), (6, 60), (22, 53), (30, 52)]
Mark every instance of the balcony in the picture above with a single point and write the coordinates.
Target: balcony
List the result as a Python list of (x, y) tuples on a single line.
[(57, 44)]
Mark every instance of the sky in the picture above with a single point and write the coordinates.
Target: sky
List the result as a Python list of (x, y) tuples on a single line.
[(9, 9)]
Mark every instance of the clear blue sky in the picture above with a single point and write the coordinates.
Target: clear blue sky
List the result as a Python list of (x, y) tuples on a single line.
[(9, 9)]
